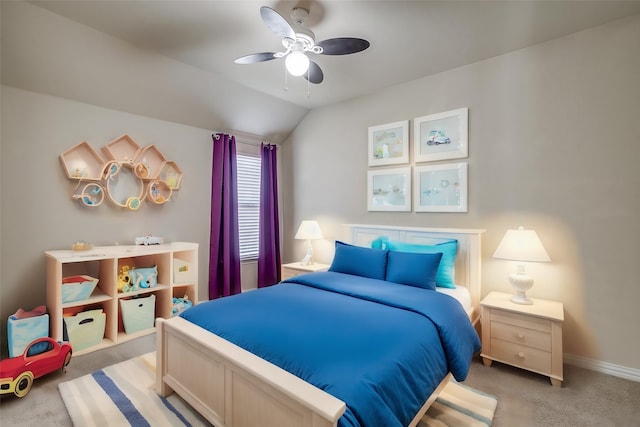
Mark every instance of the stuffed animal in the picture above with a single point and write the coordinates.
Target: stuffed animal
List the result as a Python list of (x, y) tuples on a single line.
[(181, 304), (143, 277), (123, 278)]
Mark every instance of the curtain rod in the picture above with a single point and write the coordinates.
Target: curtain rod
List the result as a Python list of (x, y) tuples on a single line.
[(246, 138)]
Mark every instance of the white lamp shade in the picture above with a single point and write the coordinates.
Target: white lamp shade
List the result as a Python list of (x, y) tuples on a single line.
[(521, 245), (297, 63), (309, 230)]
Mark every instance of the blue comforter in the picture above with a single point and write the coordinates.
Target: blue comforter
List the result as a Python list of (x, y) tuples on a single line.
[(380, 347)]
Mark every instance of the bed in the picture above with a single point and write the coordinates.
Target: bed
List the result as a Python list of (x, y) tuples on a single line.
[(231, 386)]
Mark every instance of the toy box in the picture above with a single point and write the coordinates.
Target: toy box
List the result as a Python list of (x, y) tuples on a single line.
[(76, 288), (138, 313), (24, 327), (85, 329)]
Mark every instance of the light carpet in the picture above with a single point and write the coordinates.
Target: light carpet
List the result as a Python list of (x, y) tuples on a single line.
[(123, 394)]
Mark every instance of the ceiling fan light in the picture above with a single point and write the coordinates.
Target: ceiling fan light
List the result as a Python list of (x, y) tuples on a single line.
[(297, 63)]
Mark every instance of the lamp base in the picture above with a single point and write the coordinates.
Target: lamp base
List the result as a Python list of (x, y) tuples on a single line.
[(518, 298), (308, 258), (521, 284)]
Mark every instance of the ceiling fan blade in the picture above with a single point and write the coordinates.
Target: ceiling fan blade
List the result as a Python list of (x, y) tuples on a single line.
[(256, 57), (314, 74), (343, 45), (277, 23)]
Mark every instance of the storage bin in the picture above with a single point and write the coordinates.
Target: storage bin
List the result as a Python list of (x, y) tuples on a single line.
[(77, 288), (22, 330), (182, 271), (138, 313), (85, 329)]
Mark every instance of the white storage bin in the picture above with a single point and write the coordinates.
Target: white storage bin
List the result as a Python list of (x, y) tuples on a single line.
[(183, 271), (138, 313), (85, 329)]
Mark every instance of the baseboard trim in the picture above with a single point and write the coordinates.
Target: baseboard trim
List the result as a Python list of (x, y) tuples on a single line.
[(603, 367)]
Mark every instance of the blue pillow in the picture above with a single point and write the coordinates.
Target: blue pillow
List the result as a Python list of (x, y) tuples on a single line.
[(413, 269), (445, 275), (359, 261)]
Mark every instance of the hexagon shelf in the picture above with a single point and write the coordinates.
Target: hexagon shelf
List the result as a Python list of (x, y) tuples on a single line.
[(82, 162), (128, 176)]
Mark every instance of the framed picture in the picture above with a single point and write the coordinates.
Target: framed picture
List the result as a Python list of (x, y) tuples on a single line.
[(389, 144), (441, 136), (440, 188), (389, 190)]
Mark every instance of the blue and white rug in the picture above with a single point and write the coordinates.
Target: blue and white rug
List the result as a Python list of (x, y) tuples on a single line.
[(124, 394)]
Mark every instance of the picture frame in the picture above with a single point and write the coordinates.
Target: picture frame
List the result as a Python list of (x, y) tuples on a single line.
[(440, 188), (441, 136), (389, 144), (389, 190)]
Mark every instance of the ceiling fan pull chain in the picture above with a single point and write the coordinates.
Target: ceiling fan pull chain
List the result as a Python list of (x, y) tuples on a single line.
[(308, 87)]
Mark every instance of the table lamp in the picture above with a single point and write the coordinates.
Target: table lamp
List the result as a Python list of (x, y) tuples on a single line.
[(524, 246), (308, 230)]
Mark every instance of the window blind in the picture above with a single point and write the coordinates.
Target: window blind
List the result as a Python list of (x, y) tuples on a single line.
[(248, 205)]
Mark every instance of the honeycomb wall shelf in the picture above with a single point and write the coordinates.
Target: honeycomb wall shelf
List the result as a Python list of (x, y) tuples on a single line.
[(128, 173)]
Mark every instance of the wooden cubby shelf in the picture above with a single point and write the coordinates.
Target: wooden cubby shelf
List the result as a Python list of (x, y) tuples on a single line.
[(105, 263)]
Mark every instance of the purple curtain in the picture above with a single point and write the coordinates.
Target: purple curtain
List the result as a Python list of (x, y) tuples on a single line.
[(224, 248), (269, 249)]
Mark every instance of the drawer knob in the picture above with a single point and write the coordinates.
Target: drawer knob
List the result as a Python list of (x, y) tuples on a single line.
[(520, 355), (520, 336)]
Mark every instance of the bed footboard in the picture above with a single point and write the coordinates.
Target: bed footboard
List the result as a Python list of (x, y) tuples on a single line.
[(232, 387)]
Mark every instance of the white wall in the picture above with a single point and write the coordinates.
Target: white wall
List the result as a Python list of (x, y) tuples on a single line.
[(38, 213), (554, 141)]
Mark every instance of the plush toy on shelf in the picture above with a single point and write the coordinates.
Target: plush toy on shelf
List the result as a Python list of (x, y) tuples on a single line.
[(180, 305), (123, 278)]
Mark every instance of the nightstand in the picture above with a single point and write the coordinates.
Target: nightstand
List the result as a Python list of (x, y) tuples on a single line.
[(525, 336), (295, 268)]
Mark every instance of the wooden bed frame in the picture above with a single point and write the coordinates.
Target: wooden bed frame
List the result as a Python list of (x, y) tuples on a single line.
[(232, 387)]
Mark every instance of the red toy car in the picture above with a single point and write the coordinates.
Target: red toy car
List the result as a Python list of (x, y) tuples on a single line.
[(41, 357)]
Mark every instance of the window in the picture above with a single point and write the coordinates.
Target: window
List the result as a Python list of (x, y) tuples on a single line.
[(248, 205)]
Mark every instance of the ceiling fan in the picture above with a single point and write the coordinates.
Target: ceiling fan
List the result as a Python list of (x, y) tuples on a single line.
[(298, 41)]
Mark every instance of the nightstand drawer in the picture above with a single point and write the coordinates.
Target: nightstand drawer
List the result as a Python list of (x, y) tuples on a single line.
[(522, 336), (521, 320), (520, 355), (288, 273)]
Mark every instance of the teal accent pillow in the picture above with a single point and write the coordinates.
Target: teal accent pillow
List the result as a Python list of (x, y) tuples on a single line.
[(445, 275), (359, 261), (379, 243), (413, 269)]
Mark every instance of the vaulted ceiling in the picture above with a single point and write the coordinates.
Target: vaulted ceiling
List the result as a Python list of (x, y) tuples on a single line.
[(409, 39)]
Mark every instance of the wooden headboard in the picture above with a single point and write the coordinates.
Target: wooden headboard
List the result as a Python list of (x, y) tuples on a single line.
[(468, 258)]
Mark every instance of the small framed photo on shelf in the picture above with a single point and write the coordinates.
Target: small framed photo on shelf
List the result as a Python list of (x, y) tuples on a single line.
[(389, 190), (389, 144), (440, 188), (441, 136)]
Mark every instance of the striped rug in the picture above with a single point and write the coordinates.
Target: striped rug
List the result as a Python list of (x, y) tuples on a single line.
[(123, 394)]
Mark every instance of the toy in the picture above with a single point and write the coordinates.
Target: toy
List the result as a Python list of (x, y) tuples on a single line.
[(149, 240), (41, 357), (123, 278), (180, 305), (143, 277)]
